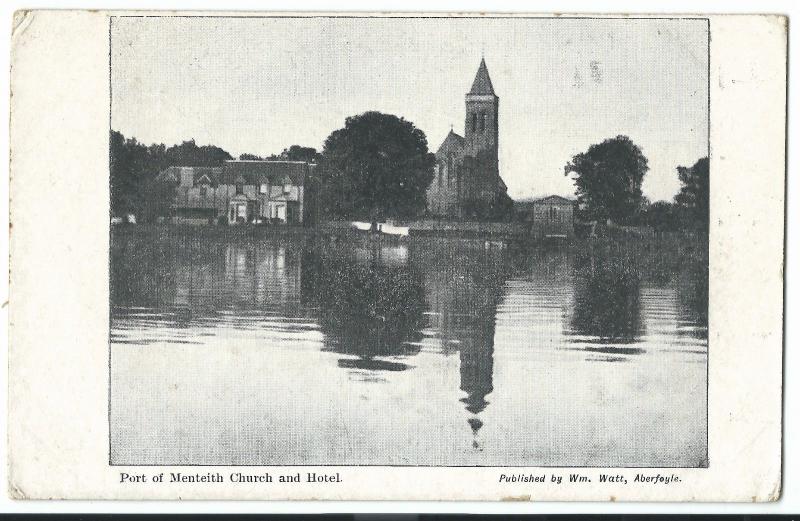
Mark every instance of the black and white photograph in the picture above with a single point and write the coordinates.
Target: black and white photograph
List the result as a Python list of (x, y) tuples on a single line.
[(409, 241)]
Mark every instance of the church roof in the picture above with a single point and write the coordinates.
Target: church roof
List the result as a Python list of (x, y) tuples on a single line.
[(482, 83), (452, 142)]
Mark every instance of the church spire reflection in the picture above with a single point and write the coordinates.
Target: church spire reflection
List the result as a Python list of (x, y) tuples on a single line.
[(463, 287)]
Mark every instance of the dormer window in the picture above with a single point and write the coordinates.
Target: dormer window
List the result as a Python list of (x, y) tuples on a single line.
[(287, 185), (239, 189), (263, 189)]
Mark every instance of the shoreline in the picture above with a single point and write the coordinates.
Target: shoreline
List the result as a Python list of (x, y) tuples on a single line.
[(336, 234)]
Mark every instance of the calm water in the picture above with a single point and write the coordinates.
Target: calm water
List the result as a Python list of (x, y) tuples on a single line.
[(286, 350)]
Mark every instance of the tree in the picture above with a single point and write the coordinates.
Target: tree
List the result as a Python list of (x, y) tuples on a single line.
[(608, 179), (129, 162), (300, 153), (250, 157), (133, 167), (661, 216), (377, 166), (693, 196), (189, 154)]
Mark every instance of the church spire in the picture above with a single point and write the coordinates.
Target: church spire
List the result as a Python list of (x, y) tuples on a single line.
[(482, 84)]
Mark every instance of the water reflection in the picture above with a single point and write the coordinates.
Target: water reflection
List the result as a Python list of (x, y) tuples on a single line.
[(205, 284), (464, 284), (692, 289), (607, 307), (448, 335), (369, 303)]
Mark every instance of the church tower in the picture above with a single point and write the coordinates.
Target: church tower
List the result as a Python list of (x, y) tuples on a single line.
[(480, 125), (467, 183)]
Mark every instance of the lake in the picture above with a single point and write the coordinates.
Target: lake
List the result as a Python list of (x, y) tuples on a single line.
[(291, 349)]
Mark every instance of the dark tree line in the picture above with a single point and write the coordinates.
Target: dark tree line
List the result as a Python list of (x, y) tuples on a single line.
[(293, 153), (608, 185), (689, 208)]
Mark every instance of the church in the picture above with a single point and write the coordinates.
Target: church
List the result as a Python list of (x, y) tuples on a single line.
[(467, 183)]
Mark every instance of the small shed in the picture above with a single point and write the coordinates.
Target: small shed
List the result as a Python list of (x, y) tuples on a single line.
[(549, 217)]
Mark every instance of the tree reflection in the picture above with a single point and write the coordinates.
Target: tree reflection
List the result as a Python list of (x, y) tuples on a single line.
[(142, 272), (693, 297), (607, 306), (368, 306)]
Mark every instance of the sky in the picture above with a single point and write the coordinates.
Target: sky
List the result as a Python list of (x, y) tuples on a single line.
[(259, 85)]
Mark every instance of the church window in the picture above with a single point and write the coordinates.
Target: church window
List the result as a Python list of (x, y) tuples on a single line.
[(483, 121), (474, 121), (449, 169)]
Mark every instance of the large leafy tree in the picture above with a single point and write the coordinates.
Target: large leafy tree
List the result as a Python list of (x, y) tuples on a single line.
[(608, 179), (377, 166), (693, 196)]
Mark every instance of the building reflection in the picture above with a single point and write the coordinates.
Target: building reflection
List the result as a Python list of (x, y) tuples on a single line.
[(186, 280), (369, 302), (463, 287)]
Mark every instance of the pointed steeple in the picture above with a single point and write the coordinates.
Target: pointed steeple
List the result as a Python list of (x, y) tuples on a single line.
[(483, 83)]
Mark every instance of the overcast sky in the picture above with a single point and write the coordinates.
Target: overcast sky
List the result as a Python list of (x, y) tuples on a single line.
[(258, 85)]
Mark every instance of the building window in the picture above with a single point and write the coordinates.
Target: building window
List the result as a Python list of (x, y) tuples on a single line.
[(203, 191), (553, 213), (239, 189), (263, 188), (450, 169), (483, 121), (474, 121), (287, 185), (439, 171)]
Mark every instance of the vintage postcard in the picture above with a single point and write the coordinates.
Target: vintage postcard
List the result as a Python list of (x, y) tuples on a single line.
[(417, 256)]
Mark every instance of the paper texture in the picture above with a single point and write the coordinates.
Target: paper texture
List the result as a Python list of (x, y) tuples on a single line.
[(267, 321)]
